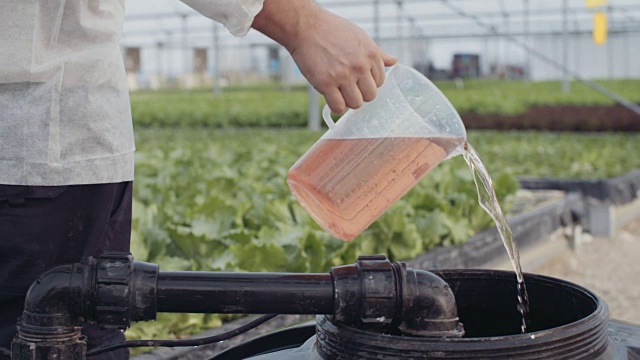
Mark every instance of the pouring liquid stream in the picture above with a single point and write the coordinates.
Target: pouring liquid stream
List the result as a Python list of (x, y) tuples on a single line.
[(489, 202)]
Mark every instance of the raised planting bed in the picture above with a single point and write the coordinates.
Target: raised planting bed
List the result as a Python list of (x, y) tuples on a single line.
[(600, 196), (559, 118), (618, 190)]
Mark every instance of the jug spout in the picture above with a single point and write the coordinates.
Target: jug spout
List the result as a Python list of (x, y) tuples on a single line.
[(459, 150)]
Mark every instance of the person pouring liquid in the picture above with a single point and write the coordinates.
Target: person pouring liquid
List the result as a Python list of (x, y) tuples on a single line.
[(66, 133)]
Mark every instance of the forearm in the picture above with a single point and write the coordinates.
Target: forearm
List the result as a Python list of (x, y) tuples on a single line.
[(284, 21)]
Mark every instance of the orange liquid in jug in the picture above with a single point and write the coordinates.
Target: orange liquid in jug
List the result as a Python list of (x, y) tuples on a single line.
[(346, 184)]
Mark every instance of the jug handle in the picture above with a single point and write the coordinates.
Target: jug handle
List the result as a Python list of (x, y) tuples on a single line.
[(326, 115)]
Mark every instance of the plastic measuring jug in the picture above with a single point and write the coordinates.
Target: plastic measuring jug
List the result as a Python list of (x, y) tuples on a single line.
[(374, 155)]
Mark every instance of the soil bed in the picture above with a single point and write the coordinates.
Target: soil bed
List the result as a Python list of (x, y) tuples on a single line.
[(559, 118)]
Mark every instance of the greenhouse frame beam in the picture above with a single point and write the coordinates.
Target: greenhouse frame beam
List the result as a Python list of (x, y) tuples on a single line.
[(622, 10), (207, 30), (597, 87)]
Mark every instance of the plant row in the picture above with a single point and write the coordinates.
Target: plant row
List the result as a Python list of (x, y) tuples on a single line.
[(272, 107)]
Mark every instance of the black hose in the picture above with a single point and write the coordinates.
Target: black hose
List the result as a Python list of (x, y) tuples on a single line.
[(5, 351), (185, 342)]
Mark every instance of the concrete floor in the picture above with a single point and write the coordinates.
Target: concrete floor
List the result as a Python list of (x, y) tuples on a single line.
[(608, 267)]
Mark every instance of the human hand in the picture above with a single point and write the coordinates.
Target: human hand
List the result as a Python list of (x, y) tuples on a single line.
[(336, 56), (341, 61)]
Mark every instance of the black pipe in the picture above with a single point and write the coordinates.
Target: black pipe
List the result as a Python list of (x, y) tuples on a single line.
[(113, 290), (371, 292), (244, 293)]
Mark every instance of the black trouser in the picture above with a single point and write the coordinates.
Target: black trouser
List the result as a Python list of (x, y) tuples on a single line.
[(45, 226)]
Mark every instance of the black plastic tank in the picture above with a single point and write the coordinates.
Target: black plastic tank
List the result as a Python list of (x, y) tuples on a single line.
[(566, 321)]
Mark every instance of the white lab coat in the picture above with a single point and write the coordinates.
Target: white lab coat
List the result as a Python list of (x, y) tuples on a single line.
[(65, 115)]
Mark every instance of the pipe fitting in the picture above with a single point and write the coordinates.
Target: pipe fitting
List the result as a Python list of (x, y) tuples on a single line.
[(125, 290), (429, 307), (368, 292), (57, 297), (112, 290), (374, 291), (55, 310)]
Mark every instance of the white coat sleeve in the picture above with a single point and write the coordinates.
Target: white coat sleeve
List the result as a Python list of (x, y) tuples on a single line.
[(236, 15)]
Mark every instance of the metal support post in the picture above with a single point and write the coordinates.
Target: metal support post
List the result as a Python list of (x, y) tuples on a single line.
[(314, 109), (610, 58), (501, 40), (527, 31), (169, 54), (507, 46), (626, 55), (216, 54), (185, 52), (376, 21), (159, 64), (565, 47), (577, 45), (399, 29)]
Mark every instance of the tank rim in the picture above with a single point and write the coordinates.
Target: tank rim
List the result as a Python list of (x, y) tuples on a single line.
[(588, 332)]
